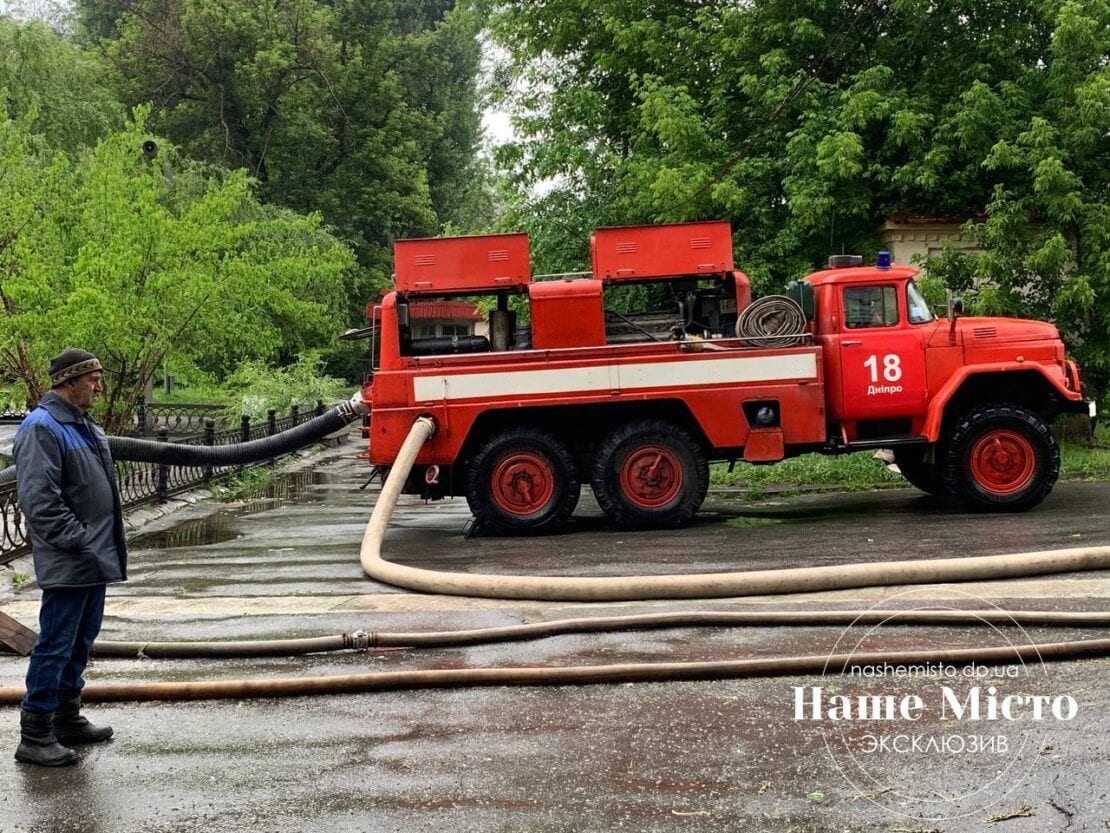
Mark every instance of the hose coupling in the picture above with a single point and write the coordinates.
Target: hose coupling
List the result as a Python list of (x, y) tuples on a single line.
[(352, 409), (430, 421), (359, 640)]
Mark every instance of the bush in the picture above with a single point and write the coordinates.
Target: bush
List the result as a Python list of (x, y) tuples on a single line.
[(256, 387)]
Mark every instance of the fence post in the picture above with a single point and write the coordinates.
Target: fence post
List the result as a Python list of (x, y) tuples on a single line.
[(210, 440), (244, 429), (295, 412), (271, 422), (319, 407), (142, 417), (163, 468)]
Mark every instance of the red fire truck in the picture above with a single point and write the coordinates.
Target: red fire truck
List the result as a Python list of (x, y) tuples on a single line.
[(564, 391)]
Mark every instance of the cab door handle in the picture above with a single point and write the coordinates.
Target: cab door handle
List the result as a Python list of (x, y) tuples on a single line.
[(853, 343)]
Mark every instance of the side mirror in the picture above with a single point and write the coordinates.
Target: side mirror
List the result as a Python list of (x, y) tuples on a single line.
[(955, 308)]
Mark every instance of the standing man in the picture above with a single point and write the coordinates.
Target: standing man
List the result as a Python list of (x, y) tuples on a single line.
[(67, 492)]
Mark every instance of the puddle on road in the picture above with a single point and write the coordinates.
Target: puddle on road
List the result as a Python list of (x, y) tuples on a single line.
[(283, 488), (214, 529), (744, 520), (222, 526)]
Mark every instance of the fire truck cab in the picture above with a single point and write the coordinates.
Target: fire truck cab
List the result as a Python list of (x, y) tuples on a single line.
[(637, 404)]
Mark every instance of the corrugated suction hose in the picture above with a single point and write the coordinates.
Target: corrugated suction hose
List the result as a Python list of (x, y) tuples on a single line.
[(178, 454)]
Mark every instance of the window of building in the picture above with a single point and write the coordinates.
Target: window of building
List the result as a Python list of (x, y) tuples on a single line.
[(424, 331), (456, 330), (870, 306)]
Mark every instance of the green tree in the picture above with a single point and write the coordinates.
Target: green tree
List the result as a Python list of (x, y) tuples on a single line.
[(138, 259), (809, 123), (365, 112), (65, 90), (1045, 236)]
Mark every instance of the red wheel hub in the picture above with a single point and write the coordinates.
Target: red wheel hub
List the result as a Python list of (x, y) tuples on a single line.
[(522, 483), (651, 476), (1003, 461)]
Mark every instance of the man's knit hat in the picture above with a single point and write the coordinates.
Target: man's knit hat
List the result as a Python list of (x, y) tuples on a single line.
[(71, 363)]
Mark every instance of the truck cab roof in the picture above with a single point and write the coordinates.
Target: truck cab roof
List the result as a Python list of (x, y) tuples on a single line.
[(860, 274)]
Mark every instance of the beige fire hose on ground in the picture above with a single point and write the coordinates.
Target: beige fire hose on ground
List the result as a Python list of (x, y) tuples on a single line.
[(621, 588), (702, 586), (578, 675), (362, 640)]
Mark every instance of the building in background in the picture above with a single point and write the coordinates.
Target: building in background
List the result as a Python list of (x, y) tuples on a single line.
[(907, 236)]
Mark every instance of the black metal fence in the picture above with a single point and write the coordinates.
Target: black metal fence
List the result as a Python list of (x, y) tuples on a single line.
[(141, 483), (177, 418)]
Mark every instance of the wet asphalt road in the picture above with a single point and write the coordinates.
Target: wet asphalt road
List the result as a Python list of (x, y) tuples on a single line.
[(718, 755)]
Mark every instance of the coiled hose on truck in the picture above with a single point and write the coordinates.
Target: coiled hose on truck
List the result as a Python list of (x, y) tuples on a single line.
[(772, 321), (808, 579), (177, 454)]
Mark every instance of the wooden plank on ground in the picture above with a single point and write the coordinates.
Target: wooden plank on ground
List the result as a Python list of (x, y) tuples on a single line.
[(14, 638)]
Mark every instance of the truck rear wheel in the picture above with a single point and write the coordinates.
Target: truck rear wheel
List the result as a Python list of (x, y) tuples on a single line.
[(650, 473), (916, 468), (1002, 458), (522, 480)]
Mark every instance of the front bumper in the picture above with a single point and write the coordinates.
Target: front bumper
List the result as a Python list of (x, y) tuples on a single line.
[(1080, 406)]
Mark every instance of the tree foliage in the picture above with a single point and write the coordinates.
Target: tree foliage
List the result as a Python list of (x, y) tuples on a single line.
[(365, 112), (258, 387), (61, 87), (135, 258), (807, 124)]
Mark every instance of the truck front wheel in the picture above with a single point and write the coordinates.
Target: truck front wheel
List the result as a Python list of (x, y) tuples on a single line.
[(1002, 458), (650, 474), (522, 480)]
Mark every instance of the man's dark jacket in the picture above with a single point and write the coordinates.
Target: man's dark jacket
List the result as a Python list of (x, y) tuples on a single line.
[(66, 486)]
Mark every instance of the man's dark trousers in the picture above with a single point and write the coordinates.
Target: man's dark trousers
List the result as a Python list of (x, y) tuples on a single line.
[(69, 621)]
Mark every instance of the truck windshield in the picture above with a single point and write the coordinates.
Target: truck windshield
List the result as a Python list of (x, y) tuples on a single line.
[(918, 310)]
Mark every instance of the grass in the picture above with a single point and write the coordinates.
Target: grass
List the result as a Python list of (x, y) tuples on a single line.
[(1080, 460), (249, 483), (860, 471), (19, 580), (845, 472)]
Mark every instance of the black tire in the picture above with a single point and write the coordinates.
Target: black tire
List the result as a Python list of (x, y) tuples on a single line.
[(1002, 458), (650, 473), (522, 481), (916, 468)]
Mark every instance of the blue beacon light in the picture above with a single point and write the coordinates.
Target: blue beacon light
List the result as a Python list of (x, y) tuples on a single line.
[(882, 260)]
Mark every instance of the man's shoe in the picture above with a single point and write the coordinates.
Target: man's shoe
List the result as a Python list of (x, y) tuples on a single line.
[(71, 728), (38, 745)]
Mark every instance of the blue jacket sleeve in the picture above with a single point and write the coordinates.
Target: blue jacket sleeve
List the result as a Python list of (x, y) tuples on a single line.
[(38, 456)]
